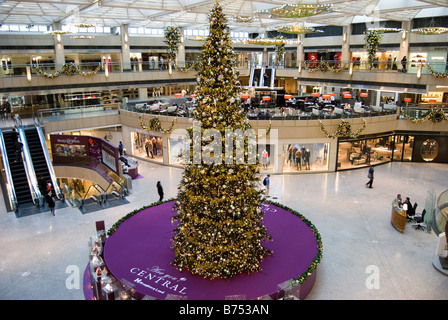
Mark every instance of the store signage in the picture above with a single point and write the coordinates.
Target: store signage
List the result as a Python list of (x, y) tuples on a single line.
[(157, 280)]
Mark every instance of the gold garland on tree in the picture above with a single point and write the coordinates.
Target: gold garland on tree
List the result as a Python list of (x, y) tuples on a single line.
[(344, 130), (155, 125), (69, 69), (436, 115)]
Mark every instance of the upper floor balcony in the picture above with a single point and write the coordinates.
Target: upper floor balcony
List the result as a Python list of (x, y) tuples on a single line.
[(416, 76)]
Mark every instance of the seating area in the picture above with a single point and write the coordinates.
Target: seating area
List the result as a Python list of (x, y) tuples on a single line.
[(299, 110)]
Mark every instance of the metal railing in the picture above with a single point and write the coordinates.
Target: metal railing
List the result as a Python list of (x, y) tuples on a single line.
[(50, 168), (28, 164), (51, 70), (96, 193), (8, 177), (72, 196)]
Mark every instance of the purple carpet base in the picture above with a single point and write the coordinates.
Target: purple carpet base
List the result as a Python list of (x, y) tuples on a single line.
[(139, 253)]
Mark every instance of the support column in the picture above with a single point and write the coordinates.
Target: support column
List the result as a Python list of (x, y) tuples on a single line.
[(346, 35), (59, 56), (180, 57), (405, 34), (300, 56), (125, 48), (142, 93)]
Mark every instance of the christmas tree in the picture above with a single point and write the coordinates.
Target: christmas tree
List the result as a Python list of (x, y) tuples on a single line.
[(219, 232)]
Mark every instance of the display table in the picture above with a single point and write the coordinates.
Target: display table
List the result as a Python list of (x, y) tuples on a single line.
[(398, 218)]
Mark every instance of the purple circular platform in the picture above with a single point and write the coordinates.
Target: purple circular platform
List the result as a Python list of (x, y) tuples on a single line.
[(139, 253)]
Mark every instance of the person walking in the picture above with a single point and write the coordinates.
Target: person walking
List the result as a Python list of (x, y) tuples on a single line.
[(160, 191), (370, 176), (50, 201), (120, 148)]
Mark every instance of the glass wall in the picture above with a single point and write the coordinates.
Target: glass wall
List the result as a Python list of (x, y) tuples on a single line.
[(147, 146), (364, 152), (302, 157)]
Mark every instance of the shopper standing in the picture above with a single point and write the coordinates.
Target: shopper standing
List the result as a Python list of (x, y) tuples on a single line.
[(50, 201), (160, 191), (266, 183), (370, 176)]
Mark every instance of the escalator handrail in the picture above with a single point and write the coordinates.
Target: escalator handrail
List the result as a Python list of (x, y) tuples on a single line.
[(9, 183), (28, 164), (101, 192), (53, 177), (70, 191)]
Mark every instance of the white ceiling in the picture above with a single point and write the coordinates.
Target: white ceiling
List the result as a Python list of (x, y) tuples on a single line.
[(194, 13)]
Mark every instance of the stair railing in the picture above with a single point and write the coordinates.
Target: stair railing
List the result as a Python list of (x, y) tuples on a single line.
[(8, 176), (53, 177), (28, 164)]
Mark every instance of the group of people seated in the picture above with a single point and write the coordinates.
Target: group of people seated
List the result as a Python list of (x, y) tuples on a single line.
[(410, 209)]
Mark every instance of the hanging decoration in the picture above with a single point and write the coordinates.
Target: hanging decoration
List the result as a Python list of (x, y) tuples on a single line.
[(428, 31), (372, 45), (436, 115), (172, 38), (299, 10), (279, 51), (242, 19), (344, 130), (385, 29), (69, 69), (439, 75), (267, 41), (155, 125), (297, 29)]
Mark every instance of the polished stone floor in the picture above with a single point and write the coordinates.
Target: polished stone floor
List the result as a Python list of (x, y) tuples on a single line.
[(41, 254)]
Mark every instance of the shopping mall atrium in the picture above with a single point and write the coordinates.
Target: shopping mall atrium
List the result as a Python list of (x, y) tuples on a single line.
[(101, 94)]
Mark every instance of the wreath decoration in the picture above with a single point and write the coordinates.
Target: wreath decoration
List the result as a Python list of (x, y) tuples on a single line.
[(69, 69), (172, 39), (436, 115), (344, 130), (155, 125)]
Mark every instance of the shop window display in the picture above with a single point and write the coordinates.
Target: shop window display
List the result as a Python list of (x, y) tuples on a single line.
[(147, 146), (305, 157), (364, 152)]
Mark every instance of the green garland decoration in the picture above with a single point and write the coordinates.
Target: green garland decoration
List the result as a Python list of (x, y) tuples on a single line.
[(372, 45), (344, 130), (69, 69), (436, 115), (155, 125), (172, 39), (323, 66), (280, 49), (300, 279), (439, 75)]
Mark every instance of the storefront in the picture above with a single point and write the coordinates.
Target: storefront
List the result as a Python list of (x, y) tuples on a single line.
[(146, 145), (305, 157), (403, 147)]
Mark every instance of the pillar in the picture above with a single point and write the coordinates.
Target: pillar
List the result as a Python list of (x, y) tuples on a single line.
[(59, 56), (346, 35), (404, 35), (125, 48), (180, 57)]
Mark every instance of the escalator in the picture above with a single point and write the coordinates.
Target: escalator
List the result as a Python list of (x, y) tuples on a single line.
[(37, 156), (18, 171)]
